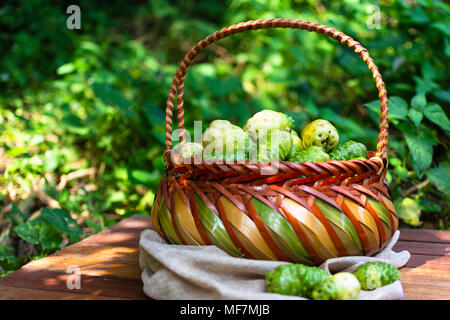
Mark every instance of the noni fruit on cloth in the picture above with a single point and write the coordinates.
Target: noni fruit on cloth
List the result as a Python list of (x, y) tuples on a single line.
[(377, 274), (340, 286), (294, 279)]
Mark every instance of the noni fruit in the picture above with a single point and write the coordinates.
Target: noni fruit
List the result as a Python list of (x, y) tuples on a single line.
[(313, 154), (349, 150), (320, 133), (340, 286), (373, 275), (294, 279)]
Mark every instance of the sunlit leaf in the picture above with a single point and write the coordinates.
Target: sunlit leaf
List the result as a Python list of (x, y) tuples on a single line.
[(63, 222), (416, 116), (435, 114), (409, 211)]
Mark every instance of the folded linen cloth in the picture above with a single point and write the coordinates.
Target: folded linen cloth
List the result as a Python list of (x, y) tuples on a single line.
[(184, 272)]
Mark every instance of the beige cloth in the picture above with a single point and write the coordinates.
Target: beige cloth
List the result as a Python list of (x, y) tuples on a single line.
[(182, 272)]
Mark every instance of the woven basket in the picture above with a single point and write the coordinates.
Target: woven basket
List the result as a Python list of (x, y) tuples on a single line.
[(305, 213)]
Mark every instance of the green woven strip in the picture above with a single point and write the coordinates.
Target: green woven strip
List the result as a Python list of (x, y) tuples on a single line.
[(381, 211), (339, 219), (166, 224), (215, 229), (284, 230)]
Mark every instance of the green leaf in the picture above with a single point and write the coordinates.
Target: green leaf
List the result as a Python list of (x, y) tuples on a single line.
[(398, 107), (17, 216), (428, 71), (429, 206), (425, 85), (111, 96), (49, 237), (16, 151), (154, 113), (416, 116), (440, 177), (420, 143), (144, 177), (63, 222), (74, 124), (29, 231), (419, 101), (65, 69), (444, 27), (408, 210), (435, 114), (418, 15)]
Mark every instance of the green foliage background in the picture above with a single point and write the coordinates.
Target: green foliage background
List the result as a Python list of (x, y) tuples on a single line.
[(91, 101)]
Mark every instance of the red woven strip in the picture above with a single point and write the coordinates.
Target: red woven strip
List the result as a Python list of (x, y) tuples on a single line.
[(275, 179), (364, 190), (291, 195), (302, 236), (391, 219), (230, 197), (378, 222), (174, 222), (336, 179), (165, 186), (361, 233), (361, 177), (327, 224), (230, 231), (261, 198), (309, 179), (319, 195), (197, 221), (347, 193), (265, 234)]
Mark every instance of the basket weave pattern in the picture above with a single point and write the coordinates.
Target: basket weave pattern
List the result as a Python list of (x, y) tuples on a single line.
[(304, 212)]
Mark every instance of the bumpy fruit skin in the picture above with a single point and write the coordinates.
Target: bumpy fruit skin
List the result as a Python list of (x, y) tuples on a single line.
[(275, 146), (296, 145), (190, 149), (294, 279), (349, 150), (373, 275), (266, 120), (320, 133), (341, 286), (225, 141), (313, 154)]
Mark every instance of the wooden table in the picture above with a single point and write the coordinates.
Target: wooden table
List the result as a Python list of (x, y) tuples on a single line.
[(109, 267)]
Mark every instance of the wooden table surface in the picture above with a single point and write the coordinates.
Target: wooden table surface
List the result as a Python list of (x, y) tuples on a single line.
[(109, 267)]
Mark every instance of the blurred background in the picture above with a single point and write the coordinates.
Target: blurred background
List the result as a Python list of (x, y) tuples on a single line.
[(82, 111)]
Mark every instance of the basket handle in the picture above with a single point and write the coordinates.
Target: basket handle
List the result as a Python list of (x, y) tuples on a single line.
[(176, 87)]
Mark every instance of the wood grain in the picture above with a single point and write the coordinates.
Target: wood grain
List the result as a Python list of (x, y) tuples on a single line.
[(109, 267)]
